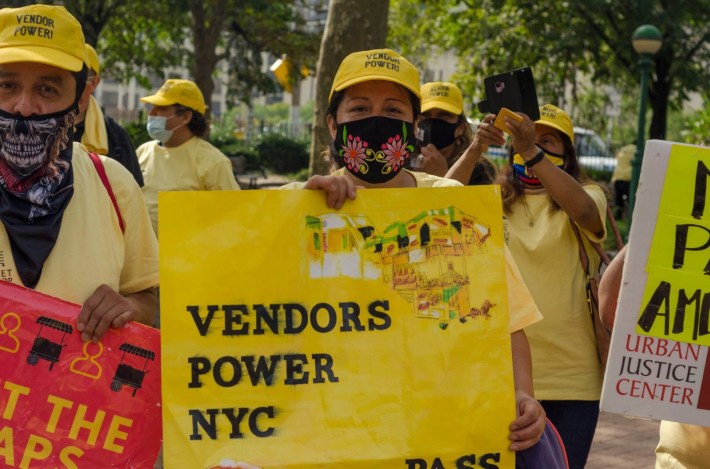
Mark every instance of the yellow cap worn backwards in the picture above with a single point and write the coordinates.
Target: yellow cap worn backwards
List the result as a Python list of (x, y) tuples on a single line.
[(174, 91), (92, 58), (377, 64), (554, 117), (43, 34), (442, 95)]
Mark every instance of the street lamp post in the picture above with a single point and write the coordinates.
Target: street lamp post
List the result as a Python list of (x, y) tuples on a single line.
[(647, 40)]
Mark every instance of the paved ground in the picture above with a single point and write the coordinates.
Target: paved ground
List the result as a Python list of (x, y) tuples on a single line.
[(623, 443)]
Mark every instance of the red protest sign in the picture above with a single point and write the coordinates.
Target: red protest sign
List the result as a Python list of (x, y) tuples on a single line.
[(66, 403)]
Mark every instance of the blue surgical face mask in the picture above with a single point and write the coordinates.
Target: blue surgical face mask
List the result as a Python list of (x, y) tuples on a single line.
[(156, 128)]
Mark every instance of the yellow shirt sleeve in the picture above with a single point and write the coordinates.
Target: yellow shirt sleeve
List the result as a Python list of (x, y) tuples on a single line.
[(599, 197), (522, 309)]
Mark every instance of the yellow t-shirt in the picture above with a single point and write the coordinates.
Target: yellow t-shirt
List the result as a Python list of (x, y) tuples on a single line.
[(683, 446), (195, 165), (563, 345), (91, 249), (523, 311), (622, 171)]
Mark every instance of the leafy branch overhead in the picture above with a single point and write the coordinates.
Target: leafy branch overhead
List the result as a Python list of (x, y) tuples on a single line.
[(138, 39), (571, 44)]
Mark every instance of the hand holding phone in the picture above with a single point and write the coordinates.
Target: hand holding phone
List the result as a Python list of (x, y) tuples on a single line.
[(500, 119)]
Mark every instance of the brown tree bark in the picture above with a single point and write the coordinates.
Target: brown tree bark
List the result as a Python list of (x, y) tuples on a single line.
[(207, 24), (352, 25)]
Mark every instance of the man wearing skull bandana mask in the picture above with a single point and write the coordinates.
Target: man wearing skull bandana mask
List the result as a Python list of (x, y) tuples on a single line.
[(374, 107), (60, 232)]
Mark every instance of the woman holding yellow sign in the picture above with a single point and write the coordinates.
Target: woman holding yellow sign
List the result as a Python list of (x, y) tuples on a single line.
[(375, 101)]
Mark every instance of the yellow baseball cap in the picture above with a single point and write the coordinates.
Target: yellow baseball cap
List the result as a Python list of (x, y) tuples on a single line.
[(554, 117), (376, 64), (43, 34), (442, 95), (174, 91), (92, 58)]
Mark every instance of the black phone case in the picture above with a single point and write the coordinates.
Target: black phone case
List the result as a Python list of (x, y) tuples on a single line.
[(514, 90)]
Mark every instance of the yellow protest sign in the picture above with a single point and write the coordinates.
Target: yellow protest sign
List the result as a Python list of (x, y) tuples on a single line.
[(675, 301), (294, 336)]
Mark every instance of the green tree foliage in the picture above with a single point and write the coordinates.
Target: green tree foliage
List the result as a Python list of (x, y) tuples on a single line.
[(255, 26), (564, 40), (138, 132), (138, 39), (692, 127), (282, 154), (135, 39)]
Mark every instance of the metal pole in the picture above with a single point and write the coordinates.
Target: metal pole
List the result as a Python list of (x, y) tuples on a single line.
[(646, 62)]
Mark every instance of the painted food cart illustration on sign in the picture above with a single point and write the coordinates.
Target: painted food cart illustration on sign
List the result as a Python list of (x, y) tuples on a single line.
[(128, 375), (44, 347), (343, 244), (423, 258)]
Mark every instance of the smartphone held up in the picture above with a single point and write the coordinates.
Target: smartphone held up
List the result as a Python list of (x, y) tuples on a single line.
[(510, 91)]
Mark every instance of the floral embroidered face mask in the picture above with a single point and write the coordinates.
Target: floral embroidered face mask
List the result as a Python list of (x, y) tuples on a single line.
[(374, 149)]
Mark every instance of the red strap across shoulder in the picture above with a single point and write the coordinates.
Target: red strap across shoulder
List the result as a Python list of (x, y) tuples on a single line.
[(104, 179)]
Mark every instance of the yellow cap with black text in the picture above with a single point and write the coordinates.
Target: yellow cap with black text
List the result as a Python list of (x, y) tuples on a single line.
[(554, 117), (442, 95), (45, 34), (376, 64)]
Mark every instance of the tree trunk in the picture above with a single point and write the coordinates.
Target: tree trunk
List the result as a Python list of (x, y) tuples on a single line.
[(352, 25), (207, 22), (294, 115)]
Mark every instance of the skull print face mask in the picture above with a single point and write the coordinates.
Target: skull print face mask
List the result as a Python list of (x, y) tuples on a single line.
[(30, 147)]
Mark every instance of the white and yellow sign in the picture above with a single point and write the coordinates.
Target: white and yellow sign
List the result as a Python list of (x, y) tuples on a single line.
[(375, 336), (658, 365)]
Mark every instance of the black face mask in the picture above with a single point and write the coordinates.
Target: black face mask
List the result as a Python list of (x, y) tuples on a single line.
[(438, 132), (374, 149)]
